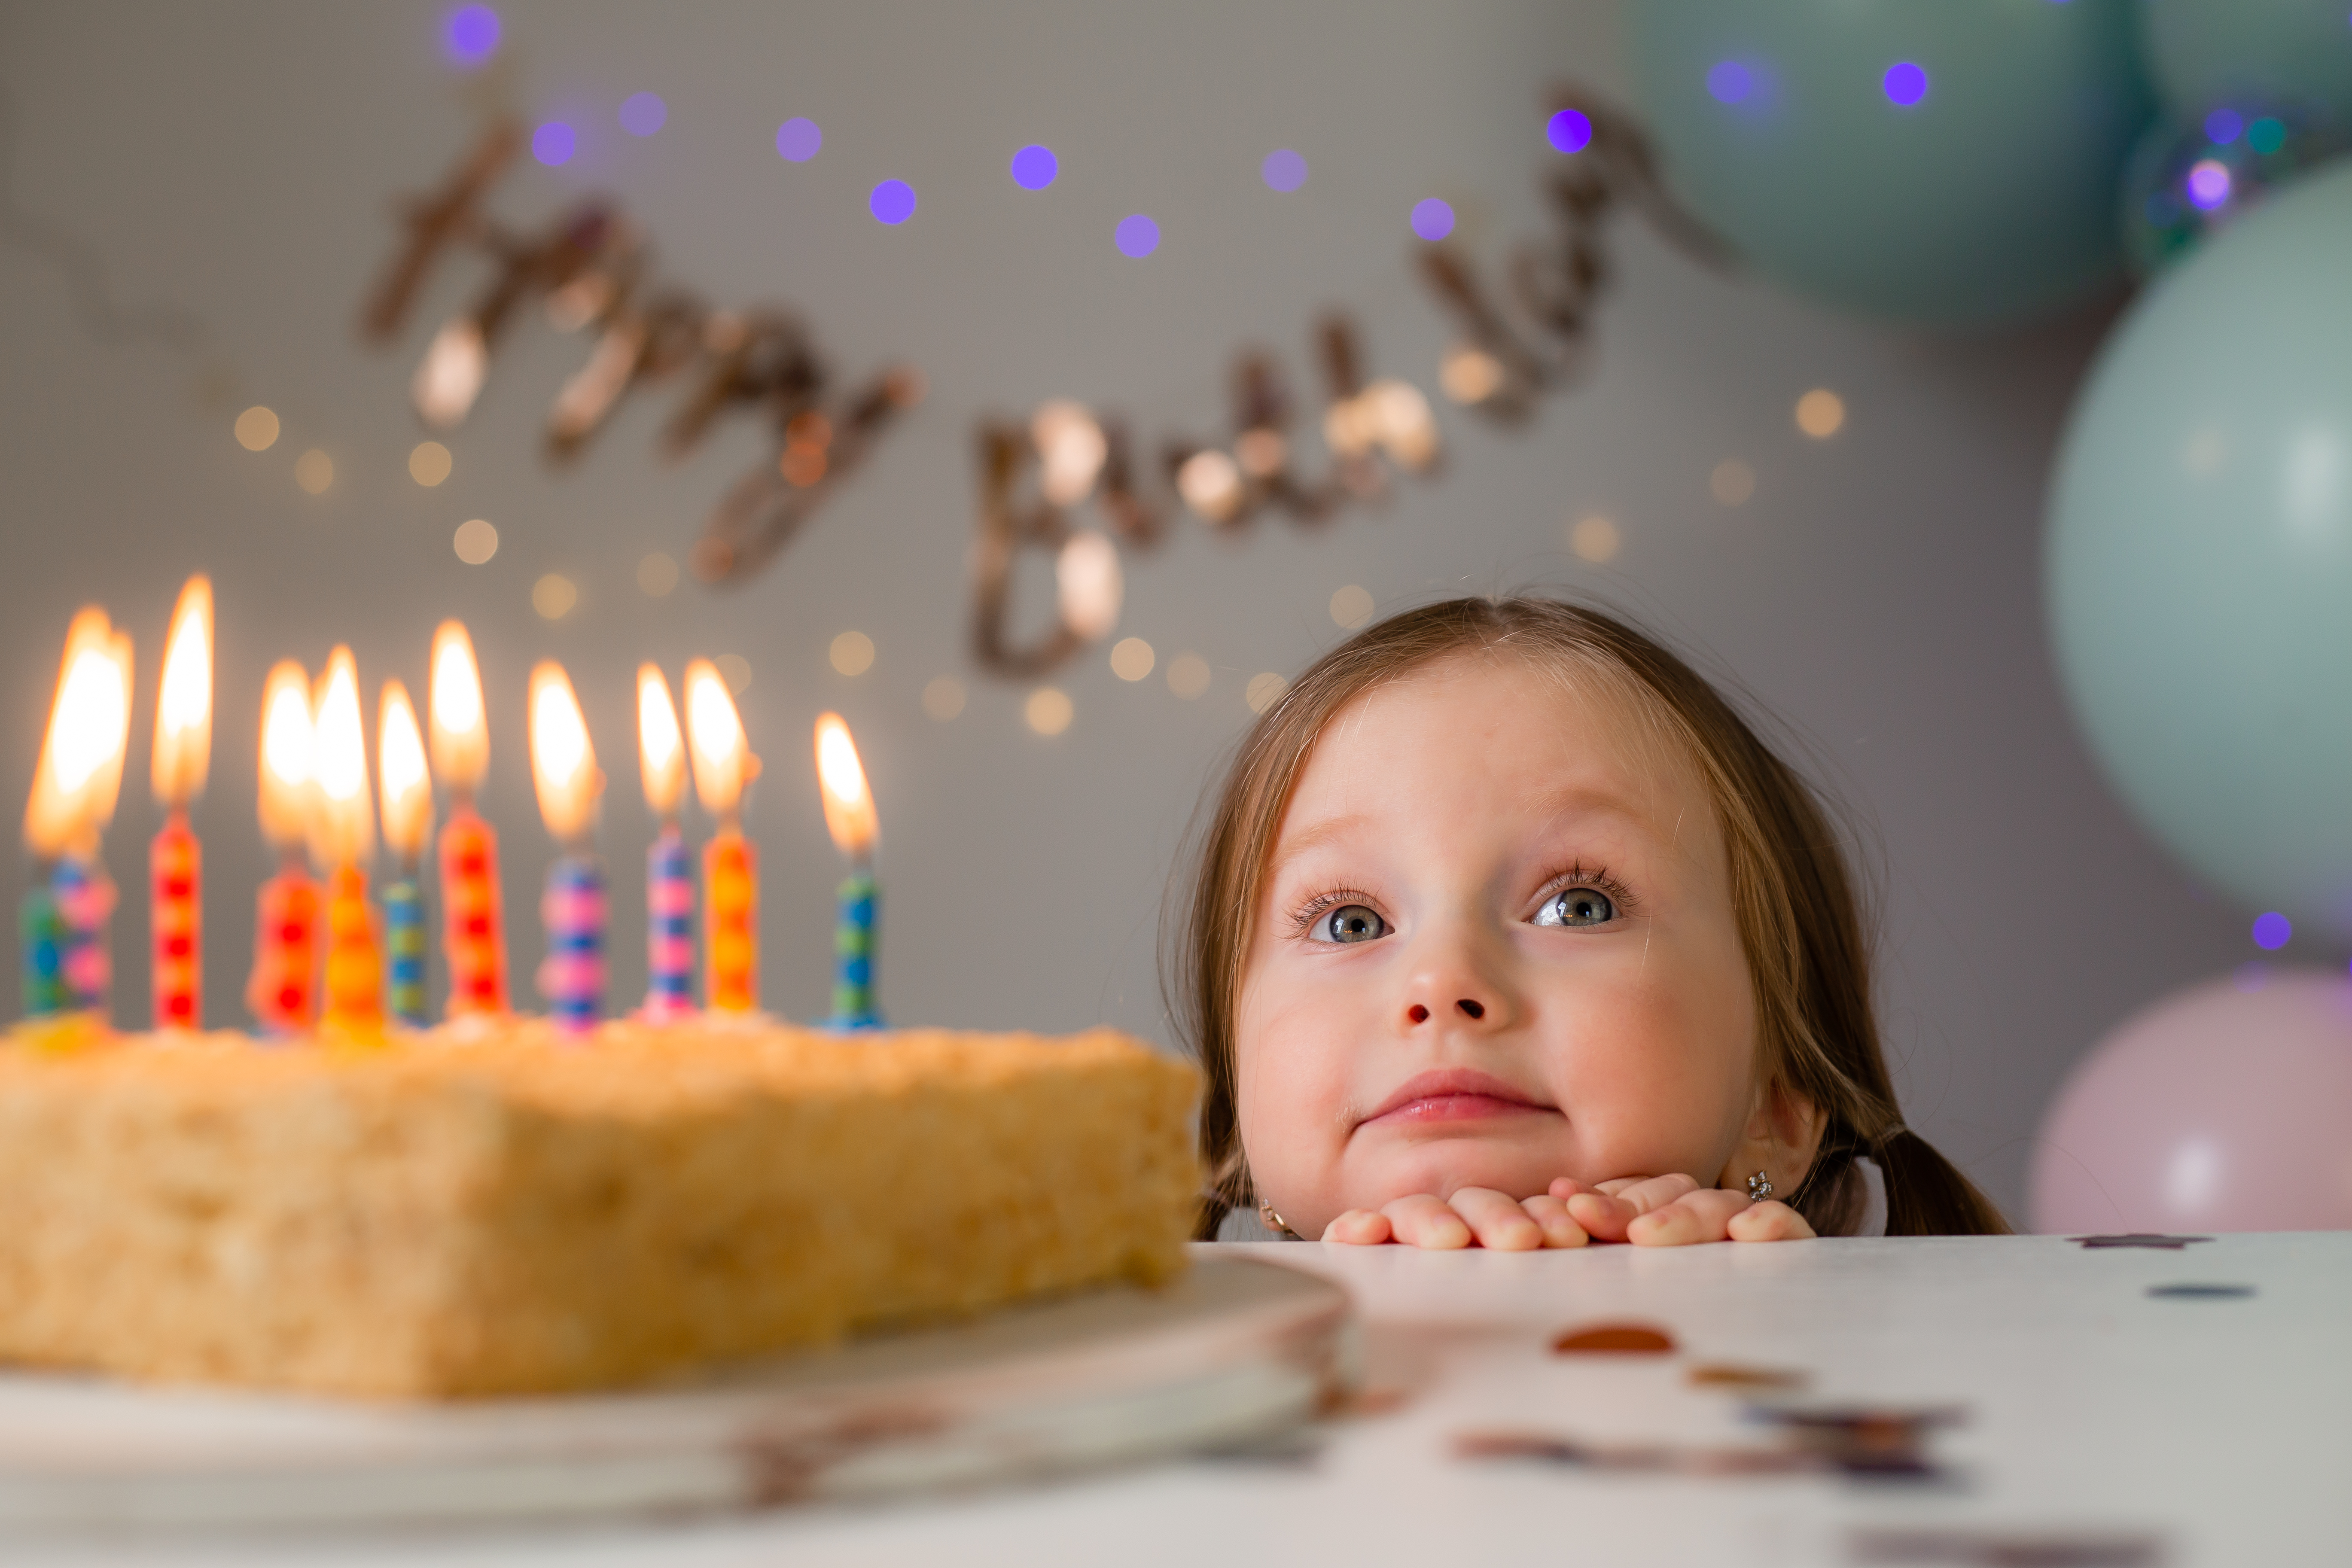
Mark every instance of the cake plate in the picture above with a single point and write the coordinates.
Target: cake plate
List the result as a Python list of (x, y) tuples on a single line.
[(1231, 1353)]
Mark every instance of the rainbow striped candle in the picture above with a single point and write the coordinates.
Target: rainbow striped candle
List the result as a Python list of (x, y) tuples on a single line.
[(68, 960), (572, 978), (669, 927)]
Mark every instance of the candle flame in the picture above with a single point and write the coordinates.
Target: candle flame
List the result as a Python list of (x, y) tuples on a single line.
[(461, 741), (80, 770), (849, 804), (184, 710), (661, 749), (562, 760), (287, 744), (343, 818), (401, 773), (723, 762)]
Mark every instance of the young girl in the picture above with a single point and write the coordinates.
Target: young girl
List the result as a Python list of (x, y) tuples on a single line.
[(1507, 929)]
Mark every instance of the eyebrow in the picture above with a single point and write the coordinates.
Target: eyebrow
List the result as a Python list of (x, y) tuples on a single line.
[(1573, 800)]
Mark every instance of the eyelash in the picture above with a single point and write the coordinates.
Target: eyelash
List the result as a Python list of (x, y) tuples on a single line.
[(1303, 919)]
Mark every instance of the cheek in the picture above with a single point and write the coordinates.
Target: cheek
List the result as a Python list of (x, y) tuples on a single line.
[(1293, 1050)]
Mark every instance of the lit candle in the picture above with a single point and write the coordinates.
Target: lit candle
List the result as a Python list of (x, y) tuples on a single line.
[(669, 874), (474, 926), (68, 964), (564, 767), (849, 818), (723, 764), (408, 826), (342, 840), (286, 920), (183, 750)]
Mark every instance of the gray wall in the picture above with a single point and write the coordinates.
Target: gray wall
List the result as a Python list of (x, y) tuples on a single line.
[(240, 162)]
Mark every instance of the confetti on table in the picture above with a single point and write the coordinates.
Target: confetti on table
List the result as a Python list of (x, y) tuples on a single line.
[(2137, 1238), (1614, 1339), (2044, 1549), (1730, 1375), (2197, 1291)]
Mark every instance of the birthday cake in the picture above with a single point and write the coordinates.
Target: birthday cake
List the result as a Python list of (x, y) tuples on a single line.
[(507, 1211)]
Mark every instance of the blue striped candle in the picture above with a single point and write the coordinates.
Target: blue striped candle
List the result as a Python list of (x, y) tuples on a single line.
[(853, 952), (669, 927), (572, 978), (403, 951)]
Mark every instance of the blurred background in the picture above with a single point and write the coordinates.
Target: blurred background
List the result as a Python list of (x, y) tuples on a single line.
[(195, 202)]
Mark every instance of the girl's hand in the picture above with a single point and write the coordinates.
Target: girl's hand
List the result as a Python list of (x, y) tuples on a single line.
[(1477, 1214), (1674, 1211)]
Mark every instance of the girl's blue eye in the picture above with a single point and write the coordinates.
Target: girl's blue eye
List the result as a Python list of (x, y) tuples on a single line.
[(1349, 922), (1577, 907)]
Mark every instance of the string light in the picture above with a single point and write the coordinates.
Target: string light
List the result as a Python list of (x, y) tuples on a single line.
[(1821, 413), (852, 653), (943, 698), (656, 574), (1352, 607), (1188, 675), (429, 463), (314, 472), (553, 596), (475, 541), (257, 429)]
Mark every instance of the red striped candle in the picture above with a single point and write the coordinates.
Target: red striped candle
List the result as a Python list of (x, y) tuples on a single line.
[(175, 864), (283, 992), (474, 929)]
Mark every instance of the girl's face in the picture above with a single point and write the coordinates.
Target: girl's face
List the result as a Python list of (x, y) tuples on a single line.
[(1494, 946)]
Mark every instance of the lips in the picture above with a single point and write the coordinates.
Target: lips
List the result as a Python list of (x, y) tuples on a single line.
[(1454, 1094)]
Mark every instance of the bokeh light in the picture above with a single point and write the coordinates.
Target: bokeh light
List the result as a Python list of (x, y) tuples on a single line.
[(1569, 130), (943, 698), (1131, 659), (2266, 135), (2208, 184), (470, 35), (430, 463), (893, 202), (852, 653), (1188, 675), (797, 140), (1732, 482), (1905, 84), (1594, 538), (475, 541), (257, 429), (1431, 220), (1048, 710), (1137, 236), (314, 472), (657, 575), (735, 670), (2272, 931), (553, 596), (2222, 126), (1728, 81), (1264, 690), (1820, 414), (1283, 169), (1352, 607), (643, 113), (553, 143), (1033, 167)]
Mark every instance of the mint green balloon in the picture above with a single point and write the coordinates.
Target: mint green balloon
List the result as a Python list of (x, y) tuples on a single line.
[(1988, 199), (2291, 53), (2200, 555)]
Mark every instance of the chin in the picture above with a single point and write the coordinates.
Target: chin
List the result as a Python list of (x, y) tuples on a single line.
[(1443, 1166)]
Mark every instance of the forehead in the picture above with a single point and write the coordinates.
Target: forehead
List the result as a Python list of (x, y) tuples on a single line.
[(1490, 732)]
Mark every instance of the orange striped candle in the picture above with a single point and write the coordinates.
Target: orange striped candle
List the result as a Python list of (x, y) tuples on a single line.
[(730, 901), (342, 827), (282, 991)]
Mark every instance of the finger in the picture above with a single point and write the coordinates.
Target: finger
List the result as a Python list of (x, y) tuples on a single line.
[(1566, 1187), (1551, 1217), (1698, 1217), (1358, 1227), (1426, 1222), (1618, 1185), (1652, 1191), (1497, 1220), (1770, 1221), (1602, 1216), (1606, 1212)]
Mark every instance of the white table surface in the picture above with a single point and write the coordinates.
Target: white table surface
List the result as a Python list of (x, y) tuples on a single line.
[(2222, 1426)]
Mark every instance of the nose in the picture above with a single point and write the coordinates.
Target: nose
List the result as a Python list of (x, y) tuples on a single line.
[(1456, 981)]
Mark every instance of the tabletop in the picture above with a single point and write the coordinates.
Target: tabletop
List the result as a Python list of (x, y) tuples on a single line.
[(1961, 1400)]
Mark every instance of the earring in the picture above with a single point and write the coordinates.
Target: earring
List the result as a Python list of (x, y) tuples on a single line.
[(1760, 1188), (1273, 1221)]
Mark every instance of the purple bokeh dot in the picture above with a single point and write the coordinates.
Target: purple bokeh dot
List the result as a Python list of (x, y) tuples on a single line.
[(1730, 82), (2222, 126), (1033, 167), (1569, 130), (2272, 931), (1431, 220), (2208, 184), (1283, 169), (643, 113), (1137, 236), (797, 140), (893, 200), (553, 143), (470, 35), (1905, 84)]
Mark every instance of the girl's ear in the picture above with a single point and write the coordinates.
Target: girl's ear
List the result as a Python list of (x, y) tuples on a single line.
[(1783, 1135)]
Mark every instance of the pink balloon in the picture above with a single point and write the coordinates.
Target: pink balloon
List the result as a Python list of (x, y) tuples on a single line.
[(2225, 1107)]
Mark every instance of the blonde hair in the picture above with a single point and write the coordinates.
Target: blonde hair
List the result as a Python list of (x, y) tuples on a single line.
[(1801, 924)]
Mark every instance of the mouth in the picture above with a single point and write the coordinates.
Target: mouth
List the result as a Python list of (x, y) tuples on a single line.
[(1455, 1094)]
